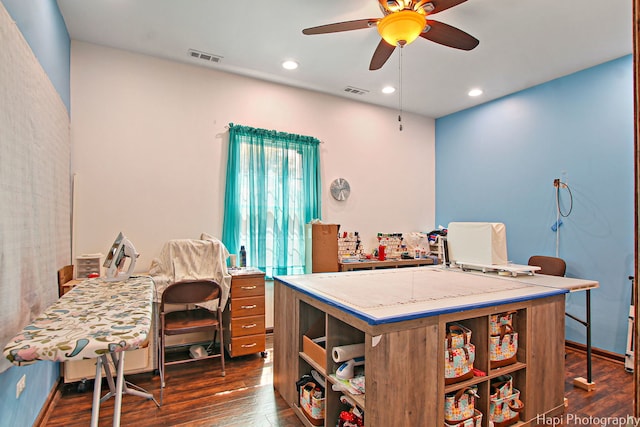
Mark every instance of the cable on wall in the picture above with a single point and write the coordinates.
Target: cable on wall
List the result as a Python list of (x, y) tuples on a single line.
[(558, 207), (557, 184)]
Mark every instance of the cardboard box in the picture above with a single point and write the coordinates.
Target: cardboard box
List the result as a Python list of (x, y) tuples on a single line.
[(483, 243), (321, 248), (314, 343)]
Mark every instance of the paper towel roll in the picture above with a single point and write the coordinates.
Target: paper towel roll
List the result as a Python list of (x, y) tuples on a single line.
[(346, 352)]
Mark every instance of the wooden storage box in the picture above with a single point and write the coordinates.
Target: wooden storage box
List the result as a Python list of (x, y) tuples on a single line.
[(314, 343)]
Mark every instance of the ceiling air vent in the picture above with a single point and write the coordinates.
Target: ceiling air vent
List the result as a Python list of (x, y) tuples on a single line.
[(204, 56), (355, 90)]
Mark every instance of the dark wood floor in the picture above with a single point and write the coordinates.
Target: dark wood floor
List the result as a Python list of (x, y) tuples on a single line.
[(245, 397)]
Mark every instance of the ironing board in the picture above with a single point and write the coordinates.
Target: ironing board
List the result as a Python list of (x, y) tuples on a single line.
[(94, 320)]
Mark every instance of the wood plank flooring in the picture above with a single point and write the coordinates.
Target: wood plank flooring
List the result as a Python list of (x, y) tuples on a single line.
[(196, 395)]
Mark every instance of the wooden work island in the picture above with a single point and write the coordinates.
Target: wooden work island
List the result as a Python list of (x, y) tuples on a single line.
[(401, 316)]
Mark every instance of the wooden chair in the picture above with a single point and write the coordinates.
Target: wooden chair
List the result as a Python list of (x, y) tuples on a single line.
[(190, 292), (65, 274), (549, 265)]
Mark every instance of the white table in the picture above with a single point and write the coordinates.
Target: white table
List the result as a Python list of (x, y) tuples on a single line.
[(394, 295), (570, 285), (94, 320)]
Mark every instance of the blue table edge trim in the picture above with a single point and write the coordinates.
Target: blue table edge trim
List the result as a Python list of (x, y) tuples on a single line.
[(419, 314)]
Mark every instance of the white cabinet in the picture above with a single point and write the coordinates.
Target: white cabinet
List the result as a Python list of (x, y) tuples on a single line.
[(88, 264)]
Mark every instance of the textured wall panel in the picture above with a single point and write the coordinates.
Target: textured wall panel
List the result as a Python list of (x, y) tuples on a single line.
[(35, 195)]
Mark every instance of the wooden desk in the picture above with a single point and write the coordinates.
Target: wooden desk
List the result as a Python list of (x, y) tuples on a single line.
[(401, 317), (389, 263)]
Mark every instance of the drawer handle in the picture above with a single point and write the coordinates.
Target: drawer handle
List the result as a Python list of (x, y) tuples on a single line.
[(248, 345), (253, 325), (248, 307), (248, 288)]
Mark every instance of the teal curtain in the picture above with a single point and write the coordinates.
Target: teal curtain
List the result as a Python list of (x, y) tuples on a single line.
[(272, 190)]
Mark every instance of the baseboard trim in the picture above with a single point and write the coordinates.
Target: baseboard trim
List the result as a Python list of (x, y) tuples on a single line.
[(53, 397), (609, 355)]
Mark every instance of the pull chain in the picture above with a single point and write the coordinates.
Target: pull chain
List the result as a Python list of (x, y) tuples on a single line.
[(400, 88)]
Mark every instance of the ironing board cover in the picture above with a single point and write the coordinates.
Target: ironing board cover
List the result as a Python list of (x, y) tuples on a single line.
[(94, 318)]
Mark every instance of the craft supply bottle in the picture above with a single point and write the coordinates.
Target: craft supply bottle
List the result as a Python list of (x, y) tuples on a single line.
[(243, 256)]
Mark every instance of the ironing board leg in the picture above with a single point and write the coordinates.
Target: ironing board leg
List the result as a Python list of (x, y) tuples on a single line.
[(95, 409), (119, 387)]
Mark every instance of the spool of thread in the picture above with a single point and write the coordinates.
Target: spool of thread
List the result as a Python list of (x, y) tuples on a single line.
[(346, 352)]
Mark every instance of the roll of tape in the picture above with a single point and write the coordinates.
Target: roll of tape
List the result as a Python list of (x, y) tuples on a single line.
[(346, 352)]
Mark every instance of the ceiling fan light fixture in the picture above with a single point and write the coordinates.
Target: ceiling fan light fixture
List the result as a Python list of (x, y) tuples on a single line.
[(401, 28)]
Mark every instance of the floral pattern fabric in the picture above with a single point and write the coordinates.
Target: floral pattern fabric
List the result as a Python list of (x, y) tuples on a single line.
[(94, 318)]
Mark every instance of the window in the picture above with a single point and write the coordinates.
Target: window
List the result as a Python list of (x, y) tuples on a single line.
[(272, 191)]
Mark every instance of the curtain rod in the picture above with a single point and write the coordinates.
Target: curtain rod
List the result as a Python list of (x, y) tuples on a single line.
[(321, 141)]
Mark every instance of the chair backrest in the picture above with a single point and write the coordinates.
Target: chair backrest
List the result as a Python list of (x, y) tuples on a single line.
[(549, 265), (65, 274), (191, 292)]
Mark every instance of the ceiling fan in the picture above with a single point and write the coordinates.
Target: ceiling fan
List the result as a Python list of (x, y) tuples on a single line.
[(403, 22)]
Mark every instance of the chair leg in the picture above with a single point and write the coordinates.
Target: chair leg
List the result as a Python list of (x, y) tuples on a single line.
[(213, 343), (221, 341), (161, 364)]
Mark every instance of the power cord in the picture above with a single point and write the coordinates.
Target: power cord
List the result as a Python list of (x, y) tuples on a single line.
[(558, 207), (559, 214)]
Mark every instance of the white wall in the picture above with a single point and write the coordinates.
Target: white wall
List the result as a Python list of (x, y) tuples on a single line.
[(149, 147)]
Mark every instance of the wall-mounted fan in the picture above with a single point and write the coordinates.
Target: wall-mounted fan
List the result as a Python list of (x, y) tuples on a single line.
[(403, 22)]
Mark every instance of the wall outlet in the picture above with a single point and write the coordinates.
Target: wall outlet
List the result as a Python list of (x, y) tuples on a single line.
[(20, 385)]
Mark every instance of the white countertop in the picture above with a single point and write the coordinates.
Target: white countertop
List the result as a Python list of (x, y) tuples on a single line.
[(394, 295)]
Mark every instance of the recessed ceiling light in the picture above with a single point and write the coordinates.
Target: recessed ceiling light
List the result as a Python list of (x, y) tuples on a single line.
[(388, 89), (475, 92), (289, 65)]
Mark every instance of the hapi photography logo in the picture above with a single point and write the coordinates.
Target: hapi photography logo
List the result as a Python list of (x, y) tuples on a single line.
[(587, 420)]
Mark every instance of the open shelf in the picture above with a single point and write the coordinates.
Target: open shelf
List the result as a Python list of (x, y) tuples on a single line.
[(356, 399), (313, 363)]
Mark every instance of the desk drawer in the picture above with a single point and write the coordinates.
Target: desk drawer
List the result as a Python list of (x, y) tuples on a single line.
[(247, 345), (243, 326), (241, 307), (242, 287)]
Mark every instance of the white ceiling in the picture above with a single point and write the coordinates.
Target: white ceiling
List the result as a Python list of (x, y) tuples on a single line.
[(522, 43)]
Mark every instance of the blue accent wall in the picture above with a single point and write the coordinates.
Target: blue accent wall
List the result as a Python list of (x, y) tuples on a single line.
[(42, 26), (497, 163), (22, 412)]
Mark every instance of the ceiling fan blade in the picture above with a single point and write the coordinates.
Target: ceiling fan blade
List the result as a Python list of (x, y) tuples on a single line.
[(447, 35), (380, 56), (358, 24), (440, 5)]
